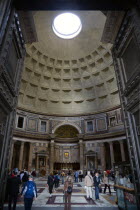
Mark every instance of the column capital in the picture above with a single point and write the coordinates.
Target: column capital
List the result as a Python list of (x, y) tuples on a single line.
[(121, 141), (52, 142), (102, 144), (53, 135), (80, 141)]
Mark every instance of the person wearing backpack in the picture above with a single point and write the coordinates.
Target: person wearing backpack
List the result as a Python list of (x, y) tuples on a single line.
[(29, 191), (68, 187)]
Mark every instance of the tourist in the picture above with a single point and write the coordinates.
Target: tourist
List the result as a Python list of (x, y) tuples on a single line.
[(24, 178), (106, 182), (62, 176), (80, 175), (56, 180), (21, 175), (13, 184), (50, 183), (76, 175), (33, 173), (29, 191), (88, 185), (96, 184), (68, 186)]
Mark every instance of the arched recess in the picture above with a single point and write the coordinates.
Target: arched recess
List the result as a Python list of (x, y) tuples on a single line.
[(66, 131), (70, 124)]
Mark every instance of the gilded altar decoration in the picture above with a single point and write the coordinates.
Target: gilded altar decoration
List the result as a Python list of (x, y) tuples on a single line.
[(66, 154)]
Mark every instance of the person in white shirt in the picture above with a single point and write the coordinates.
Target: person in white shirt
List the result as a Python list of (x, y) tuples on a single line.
[(89, 185)]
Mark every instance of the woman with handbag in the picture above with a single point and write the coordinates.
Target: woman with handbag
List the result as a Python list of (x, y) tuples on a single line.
[(68, 186)]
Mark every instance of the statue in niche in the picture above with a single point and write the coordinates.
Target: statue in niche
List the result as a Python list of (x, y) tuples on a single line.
[(91, 164), (41, 162)]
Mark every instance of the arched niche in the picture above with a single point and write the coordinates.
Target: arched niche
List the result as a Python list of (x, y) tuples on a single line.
[(66, 131)]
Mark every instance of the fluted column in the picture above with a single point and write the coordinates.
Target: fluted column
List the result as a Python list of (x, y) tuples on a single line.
[(21, 156), (111, 153), (81, 155), (30, 157), (37, 162), (96, 162), (46, 163), (11, 155), (52, 155), (103, 161), (122, 150)]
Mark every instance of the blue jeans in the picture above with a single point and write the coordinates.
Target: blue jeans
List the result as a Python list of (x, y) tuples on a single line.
[(76, 179), (96, 192)]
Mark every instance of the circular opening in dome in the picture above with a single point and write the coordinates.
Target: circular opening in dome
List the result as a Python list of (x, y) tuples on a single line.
[(67, 25)]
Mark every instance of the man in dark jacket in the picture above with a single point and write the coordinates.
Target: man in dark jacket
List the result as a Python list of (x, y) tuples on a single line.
[(50, 183), (13, 184), (96, 184), (30, 192)]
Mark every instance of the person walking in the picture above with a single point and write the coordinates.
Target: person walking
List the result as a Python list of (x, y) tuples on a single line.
[(29, 191), (76, 175), (50, 183), (106, 182), (13, 184), (68, 187), (96, 184), (89, 185), (56, 180), (24, 178), (62, 176)]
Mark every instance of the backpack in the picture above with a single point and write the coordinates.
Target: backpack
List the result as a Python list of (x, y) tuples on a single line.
[(30, 190), (69, 190)]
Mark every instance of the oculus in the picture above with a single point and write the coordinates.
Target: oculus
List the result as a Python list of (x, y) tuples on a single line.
[(67, 25)]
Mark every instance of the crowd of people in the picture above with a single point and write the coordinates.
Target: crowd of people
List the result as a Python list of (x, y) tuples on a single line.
[(21, 183)]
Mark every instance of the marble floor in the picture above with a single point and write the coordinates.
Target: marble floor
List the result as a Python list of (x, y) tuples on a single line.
[(78, 199)]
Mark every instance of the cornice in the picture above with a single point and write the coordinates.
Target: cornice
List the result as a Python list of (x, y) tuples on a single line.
[(84, 136), (78, 115)]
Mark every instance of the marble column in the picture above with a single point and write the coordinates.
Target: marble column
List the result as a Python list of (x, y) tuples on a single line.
[(11, 155), (81, 155), (30, 157), (111, 153), (96, 162), (103, 162), (52, 155), (37, 162), (122, 150), (46, 163), (21, 156)]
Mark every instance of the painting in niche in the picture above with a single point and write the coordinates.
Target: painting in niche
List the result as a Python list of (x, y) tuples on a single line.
[(66, 154)]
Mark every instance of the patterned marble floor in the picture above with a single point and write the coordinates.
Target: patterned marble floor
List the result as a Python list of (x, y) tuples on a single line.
[(78, 199)]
